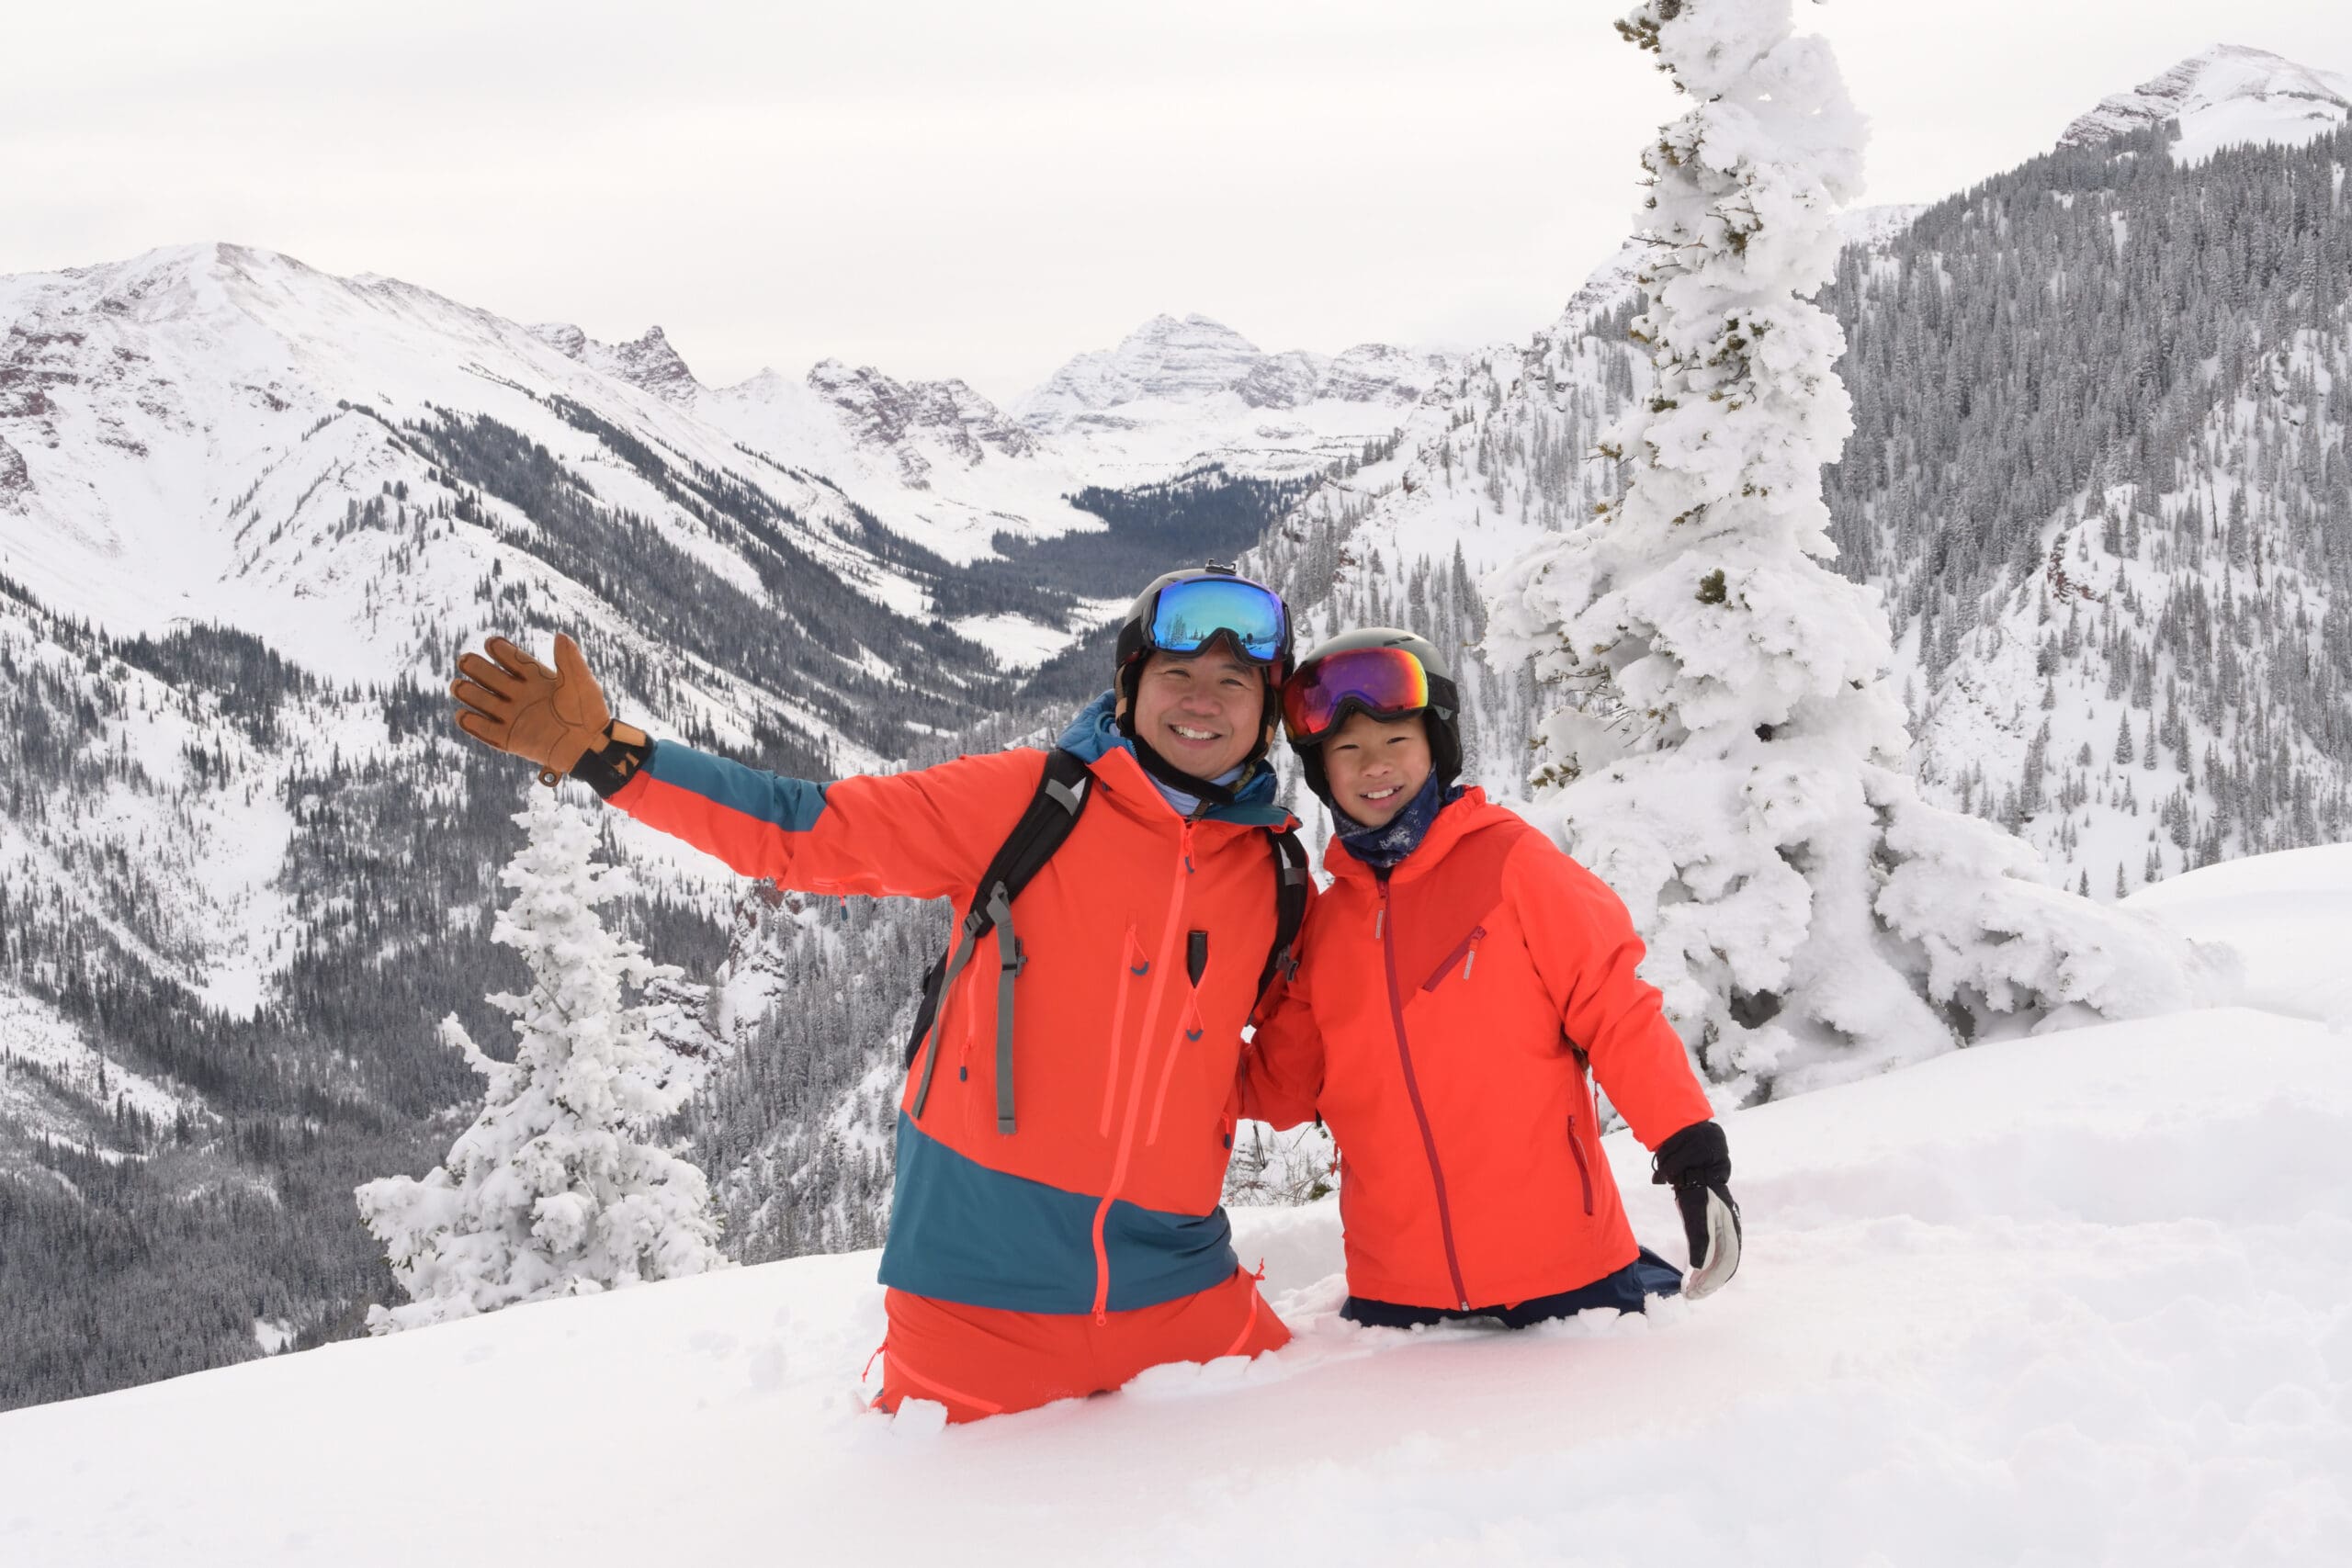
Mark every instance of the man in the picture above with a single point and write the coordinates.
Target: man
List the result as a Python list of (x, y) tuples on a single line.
[(1066, 1123)]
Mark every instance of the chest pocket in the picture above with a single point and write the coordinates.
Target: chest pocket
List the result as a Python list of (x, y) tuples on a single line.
[(1460, 962)]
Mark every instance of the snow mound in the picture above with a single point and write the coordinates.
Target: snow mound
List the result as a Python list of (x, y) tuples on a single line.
[(2074, 1298), (2227, 96), (2288, 916)]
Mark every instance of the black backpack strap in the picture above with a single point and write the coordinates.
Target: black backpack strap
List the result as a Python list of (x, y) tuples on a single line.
[(1290, 912), (1052, 812)]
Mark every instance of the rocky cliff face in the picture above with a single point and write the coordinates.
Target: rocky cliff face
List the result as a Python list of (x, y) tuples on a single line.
[(1382, 373), (899, 415), (649, 363)]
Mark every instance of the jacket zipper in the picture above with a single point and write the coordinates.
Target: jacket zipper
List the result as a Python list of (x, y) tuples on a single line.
[(1413, 1092), (1160, 967), (1584, 1171), (1465, 954)]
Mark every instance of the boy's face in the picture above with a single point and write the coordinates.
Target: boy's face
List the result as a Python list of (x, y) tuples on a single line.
[(1204, 712), (1375, 765)]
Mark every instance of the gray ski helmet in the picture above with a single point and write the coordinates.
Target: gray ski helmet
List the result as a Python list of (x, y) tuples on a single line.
[(1442, 718)]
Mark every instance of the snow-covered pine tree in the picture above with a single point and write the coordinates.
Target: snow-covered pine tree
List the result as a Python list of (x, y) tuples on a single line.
[(1732, 761), (558, 1187)]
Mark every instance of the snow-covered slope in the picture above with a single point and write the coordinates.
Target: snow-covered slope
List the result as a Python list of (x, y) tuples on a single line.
[(194, 424), (933, 460), (2287, 915), (2077, 1299), (202, 410), (2224, 97)]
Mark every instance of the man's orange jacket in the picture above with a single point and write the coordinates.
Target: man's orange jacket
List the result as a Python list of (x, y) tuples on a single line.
[(1143, 939), (1442, 1023)]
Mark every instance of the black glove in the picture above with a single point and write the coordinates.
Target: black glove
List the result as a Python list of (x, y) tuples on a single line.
[(1697, 1162)]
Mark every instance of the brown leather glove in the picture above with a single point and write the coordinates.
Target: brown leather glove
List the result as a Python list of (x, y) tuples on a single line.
[(522, 708)]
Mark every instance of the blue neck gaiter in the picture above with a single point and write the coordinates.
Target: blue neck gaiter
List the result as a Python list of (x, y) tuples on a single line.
[(1383, 847)]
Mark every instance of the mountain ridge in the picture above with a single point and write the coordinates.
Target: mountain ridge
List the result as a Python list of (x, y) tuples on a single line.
[(2226, 94)]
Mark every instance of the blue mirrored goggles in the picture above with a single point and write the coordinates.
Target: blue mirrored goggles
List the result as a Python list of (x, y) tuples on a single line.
[(1191, 615)]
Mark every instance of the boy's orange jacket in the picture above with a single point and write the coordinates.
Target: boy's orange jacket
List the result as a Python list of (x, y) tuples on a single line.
[(1141, 945), (1442, 1023)]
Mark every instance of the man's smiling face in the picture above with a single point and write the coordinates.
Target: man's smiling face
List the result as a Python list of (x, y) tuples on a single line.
[(1204, 712)]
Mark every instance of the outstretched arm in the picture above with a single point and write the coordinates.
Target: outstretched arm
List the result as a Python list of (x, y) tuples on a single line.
[(927, 833)]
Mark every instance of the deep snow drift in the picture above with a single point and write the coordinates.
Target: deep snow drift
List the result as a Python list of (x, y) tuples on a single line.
[(2084, 1298)]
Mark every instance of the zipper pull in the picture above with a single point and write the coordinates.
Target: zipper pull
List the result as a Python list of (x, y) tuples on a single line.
[(1380, 916), (1188, 846), (1477, 937)]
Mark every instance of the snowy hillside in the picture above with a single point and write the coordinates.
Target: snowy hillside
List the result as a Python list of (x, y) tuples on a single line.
[(200, 433), (2074, 1299), (2227, 96)]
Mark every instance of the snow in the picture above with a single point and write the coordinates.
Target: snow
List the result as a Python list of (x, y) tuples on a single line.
[(2074, 1299), (204, 432), (43, 1056), (1018, 642), (2285, 914), (1875, 227), (2228, 96)]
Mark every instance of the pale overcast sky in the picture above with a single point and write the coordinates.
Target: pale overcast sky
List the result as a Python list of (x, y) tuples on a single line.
[(951, 188)]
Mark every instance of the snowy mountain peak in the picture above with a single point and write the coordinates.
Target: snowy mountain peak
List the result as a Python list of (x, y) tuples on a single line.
[(1164, 360), (2225, 97), (1196, 360), (764, 385), (880, 412), (650, 362)]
